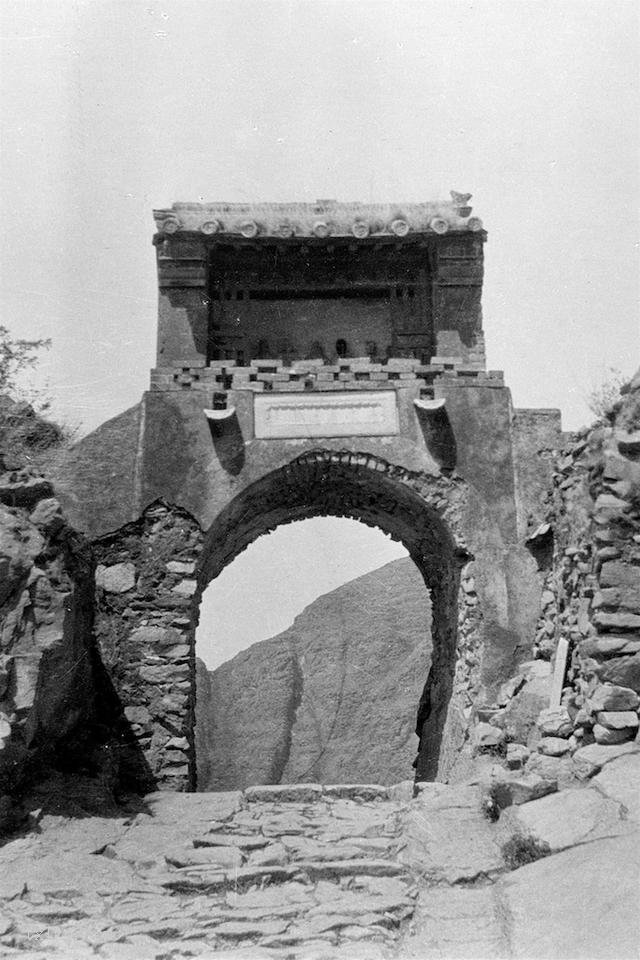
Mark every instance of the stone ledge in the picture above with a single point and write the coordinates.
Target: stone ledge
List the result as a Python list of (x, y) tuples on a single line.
[(309, 792)]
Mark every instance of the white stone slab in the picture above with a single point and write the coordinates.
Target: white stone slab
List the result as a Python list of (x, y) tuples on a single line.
[(362, 414), (559, 671)]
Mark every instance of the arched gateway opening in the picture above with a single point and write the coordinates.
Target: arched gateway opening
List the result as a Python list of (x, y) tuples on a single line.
[(363, 488), (311, 655)]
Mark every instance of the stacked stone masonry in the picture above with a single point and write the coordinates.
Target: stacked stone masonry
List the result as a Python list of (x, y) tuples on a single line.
[(560, 720), (144, 597)]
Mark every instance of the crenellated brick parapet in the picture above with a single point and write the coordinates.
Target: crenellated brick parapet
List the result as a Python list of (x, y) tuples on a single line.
[(349, 374)]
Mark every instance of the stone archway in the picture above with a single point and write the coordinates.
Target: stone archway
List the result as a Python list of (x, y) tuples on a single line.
[(147, 630)]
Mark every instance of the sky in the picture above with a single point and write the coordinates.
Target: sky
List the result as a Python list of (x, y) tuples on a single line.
[(297, 563), (110, 109)]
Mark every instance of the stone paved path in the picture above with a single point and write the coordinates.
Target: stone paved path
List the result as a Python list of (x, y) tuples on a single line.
[(331, 873), (296, 872)]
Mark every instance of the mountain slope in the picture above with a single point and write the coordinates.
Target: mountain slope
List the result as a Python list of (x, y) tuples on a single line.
[(331, 699)]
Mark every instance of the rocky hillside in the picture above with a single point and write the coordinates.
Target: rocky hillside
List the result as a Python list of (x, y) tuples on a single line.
[(332, 699), (56, 709)]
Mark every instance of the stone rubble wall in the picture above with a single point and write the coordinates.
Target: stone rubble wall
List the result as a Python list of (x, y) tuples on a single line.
[(144, 629), (557, 721)]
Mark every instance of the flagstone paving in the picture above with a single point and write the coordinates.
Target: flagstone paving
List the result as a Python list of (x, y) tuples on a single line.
[(334, 873), (296, 873)]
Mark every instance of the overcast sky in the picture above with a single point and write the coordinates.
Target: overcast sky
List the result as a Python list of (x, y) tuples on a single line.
[(112, 108)]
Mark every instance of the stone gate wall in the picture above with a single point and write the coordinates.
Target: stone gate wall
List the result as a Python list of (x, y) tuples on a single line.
[(150, 576)]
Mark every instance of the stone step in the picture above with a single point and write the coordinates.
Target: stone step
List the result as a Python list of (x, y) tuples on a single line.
[(241, 840), (310, 792), (209, 877), (328, 869), (203, 880)]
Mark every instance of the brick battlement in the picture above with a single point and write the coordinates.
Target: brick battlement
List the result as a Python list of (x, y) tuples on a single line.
[(352, 373)]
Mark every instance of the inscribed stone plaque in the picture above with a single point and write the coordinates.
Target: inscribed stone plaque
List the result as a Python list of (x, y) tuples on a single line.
[(366, 414)]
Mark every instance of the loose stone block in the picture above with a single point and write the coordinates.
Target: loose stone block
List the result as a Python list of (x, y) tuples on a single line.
[(402, 792), (154, 674), (609, 646), (181, 566), (618, 719), (556, 769), (343, 868), (186, 588), (623, 670), (628, 442), (139, 715), (611, 697), (357, 791), (152, 636), (617, 621), (243, 841), (523, 789), (553, 746), (119, 578), (278, 793), (517, 755), (274, 854), (241, 930), (555, 722), (535, 669), (606, 736), (179, 652), (487, 736)]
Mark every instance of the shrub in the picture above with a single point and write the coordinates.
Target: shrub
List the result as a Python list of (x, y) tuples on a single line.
[(16, 357), (604, 399), (490, 806), (520, 850)]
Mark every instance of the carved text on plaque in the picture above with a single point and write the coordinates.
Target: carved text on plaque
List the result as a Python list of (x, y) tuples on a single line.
[(371, 414)]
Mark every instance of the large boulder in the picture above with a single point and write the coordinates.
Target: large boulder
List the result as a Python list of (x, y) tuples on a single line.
[(567, 818), (582, 903), (620, 780), (49, 697)]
